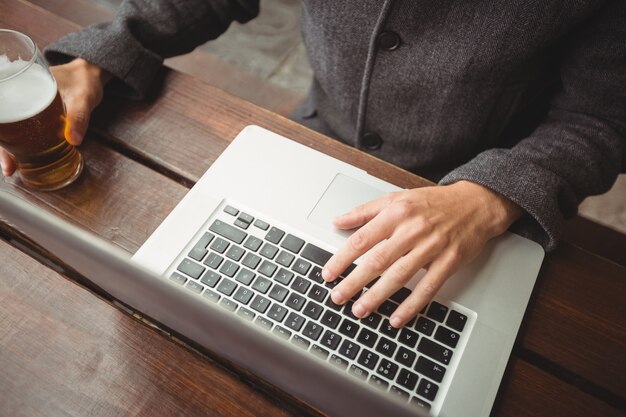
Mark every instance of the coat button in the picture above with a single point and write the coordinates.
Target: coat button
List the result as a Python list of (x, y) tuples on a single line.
[(372, 141), (389, 40)]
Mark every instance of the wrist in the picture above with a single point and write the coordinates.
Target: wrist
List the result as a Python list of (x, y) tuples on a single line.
[(498, 212), (94, 71)]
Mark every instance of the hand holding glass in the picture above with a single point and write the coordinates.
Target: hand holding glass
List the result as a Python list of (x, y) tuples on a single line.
[(32, 116)]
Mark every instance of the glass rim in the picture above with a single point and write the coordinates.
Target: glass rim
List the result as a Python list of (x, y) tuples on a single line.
[(33, 58)]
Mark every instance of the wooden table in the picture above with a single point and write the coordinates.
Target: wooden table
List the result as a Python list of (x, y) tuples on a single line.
[(65, 349)]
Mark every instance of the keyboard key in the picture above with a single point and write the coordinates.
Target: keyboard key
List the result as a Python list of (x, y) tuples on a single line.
[(330, 319), (294, 321), (245, 217), (313, 310), (427, 389), (245, 276), (210, 278), (285, 258), (292, 243), (228, 231), (430, 369), (231, 210), (194, 286), (277, 312), (211, 295), (278, 292), (269, 251), (251, 260), (386, 347), (240, 223), (456, 320), (319, 351), (446, 336), (372, 321), (220, 245), (339, 362), (358, 372), (261, 224), (267, 268), (405, 356), (295, 301), (329, 303), (190, 268), (333, 284), (235, 253), (229, 268), (401, 295), (284, 276), (437, 311), (213, 260), (368, 359), (312, 330), (300, 284), (316, 275), (282, 332), (387, 329), (227, 286), (245, 313), (263, 323), (318, 293), (330, 340), (407, 379), (261, 284), (301, 266), (348, 270), (349, 349), (387, 369), (387, 308), (401, 394), (347, 311), (367, 337), (408, 337), (420, 404), (274, 235), (315, 254), (348, 328), (228, 304), (178, 278), (300, 342), (243, 295), (197, 253), (379, 383), (434, 351), (253, 243), (260, 304), (204, 240), (425, 326)]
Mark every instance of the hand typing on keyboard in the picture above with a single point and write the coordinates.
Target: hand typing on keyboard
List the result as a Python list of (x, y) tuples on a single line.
[(438, 228)]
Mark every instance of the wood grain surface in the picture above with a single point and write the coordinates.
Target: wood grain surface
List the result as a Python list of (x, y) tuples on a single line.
[(571, 345)]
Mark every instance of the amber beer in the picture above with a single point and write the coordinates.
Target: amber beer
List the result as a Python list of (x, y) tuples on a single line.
[(32, 118)]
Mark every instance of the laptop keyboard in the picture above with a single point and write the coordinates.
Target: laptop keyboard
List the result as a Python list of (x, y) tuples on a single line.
[(273, 278)]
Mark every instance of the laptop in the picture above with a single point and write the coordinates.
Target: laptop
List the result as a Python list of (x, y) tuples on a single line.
[(236, 268)]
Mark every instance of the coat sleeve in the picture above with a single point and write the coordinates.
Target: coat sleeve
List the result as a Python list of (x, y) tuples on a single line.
[(144, 32), (579, 149)]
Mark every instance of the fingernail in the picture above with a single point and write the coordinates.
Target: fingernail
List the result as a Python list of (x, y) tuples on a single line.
[(326, 274), (337, 296), (395, 321), (359, 310)]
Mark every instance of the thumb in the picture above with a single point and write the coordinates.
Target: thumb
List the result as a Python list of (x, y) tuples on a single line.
[(7, 163), (77, 119)]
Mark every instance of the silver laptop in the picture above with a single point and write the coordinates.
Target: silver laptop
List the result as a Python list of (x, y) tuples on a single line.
[(236, 268)]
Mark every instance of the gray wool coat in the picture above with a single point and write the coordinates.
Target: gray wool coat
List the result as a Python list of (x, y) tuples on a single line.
[(527, 98)]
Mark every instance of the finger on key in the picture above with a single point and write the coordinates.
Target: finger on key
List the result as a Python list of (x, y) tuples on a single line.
[(377, 230), (396, 276), (439, 271)]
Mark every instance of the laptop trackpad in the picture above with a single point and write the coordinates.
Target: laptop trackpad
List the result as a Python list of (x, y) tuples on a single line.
[(343, 194)]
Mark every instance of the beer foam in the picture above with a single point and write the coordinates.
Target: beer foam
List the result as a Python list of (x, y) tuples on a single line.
[(27, 94)]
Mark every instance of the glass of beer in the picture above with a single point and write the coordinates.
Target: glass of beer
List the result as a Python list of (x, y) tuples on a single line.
[(32, 116)]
